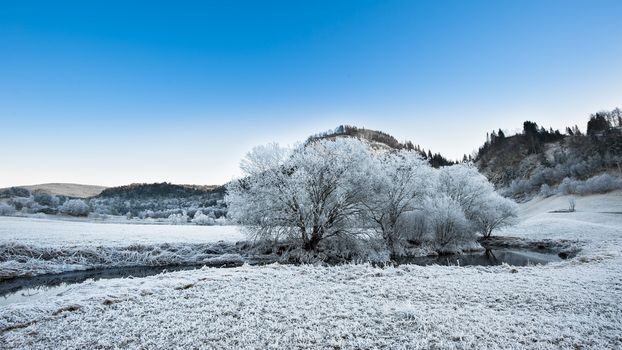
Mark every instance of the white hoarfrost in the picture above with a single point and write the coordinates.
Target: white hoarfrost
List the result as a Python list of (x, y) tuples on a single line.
[(576, 303), (38, 246), (330, 193)]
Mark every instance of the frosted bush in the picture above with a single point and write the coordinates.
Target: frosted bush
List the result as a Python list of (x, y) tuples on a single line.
[(46, 199), (75, 207), (598, 184), (602, 183), (567, 186), (202, 219), (520, 186), (546, 191), (569, 166), (221, 221), (146, 214), (6, 210), (178, 219)]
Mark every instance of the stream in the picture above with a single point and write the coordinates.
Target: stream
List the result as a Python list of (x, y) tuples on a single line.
[(30, 289)]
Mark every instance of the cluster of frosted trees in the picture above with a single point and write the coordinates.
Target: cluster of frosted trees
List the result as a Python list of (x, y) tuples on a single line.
[(156, 207), (328, 192), (21, 201)]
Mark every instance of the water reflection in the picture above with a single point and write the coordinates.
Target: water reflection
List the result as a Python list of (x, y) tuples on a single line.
[(489, 257)]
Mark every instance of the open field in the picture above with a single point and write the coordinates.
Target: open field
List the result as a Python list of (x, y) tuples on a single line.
[(571, 304), (38, 246)]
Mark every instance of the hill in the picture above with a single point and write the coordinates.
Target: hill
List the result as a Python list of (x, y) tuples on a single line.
[(159, 190), (380, 141), (160, 200), (546, 161), (67, 189)]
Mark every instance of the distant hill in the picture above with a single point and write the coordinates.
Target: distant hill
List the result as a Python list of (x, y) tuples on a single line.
[(67, 189), (161, 200), (160, 190)]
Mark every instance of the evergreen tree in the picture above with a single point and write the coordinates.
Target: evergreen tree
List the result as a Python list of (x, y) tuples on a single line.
[(597, 123)]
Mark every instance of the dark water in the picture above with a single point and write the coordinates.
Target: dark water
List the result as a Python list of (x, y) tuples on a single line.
[(489, 257), (30, 289), (38, 287)]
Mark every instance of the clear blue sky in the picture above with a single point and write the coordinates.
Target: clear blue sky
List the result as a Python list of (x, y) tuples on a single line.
[(111, 93)]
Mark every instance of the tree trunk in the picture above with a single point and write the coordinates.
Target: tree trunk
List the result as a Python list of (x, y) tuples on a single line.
[(390, 241), (312, 243)]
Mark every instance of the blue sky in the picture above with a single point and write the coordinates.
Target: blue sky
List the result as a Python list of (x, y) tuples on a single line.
[(112, 93)]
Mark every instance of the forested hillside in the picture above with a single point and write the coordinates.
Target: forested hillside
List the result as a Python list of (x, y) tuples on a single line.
[(160, 200), (547, 161)]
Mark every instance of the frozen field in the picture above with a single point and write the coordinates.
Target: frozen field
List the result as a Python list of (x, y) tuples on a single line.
[(63, 233), (571, 304), (38, 246)]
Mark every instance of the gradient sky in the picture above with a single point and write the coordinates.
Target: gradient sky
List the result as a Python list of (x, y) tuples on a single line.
[(111, 93)]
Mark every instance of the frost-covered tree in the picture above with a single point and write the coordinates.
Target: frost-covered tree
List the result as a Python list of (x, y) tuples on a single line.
[(328, 189), (75, 207), (6, 210), (46, 199), (464, 184), (401, 182), (494, 212), (179, 218), (484, 208), (310, 194), (447, 221), (202, 219), (255, 199)]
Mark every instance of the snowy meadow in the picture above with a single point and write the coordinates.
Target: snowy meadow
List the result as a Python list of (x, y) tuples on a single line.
[(30, 247), (571, 304)]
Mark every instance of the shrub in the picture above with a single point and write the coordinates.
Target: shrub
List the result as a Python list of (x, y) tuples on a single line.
[(6, 210), (202, 219), (75, 207), (46, 199), (178, 219), (602, 183)]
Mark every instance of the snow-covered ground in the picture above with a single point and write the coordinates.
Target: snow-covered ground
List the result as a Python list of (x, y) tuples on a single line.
[(37, 246), (62, 233), (572, 304), (596, 223)]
